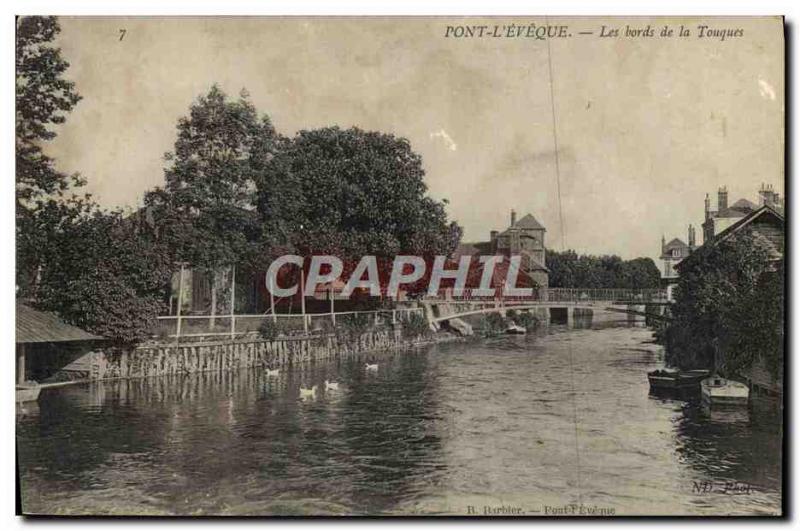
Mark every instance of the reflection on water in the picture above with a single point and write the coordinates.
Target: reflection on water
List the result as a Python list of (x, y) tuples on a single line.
[(563, 416)]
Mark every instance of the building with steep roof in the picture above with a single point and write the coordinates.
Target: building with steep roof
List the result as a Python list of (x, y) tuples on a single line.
[(726, 215), (767, 225), (672, 254), (524, 237)]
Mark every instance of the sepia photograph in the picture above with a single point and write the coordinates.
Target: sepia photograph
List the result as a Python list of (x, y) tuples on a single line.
[(486, 267)]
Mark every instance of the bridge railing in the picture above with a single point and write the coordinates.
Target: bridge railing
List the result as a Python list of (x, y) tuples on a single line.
[(206, 326), (575, 295), (474, 294), (606, 294)]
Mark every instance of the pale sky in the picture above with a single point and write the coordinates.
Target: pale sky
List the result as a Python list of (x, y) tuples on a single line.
[(645, 127)]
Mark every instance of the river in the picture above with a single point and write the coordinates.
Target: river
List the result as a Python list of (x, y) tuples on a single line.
[(557, 422)]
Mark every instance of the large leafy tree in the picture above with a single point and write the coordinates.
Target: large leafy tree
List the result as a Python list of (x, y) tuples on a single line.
[(43, 99), (105, 274), (353, 192), (206, 213), (728, 309), (209, 193)]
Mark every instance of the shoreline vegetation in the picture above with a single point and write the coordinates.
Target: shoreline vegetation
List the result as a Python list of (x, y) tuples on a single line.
[(728, 314), (495, 324), (236, 194)]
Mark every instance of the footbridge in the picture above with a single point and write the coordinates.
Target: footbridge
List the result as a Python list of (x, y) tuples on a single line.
[(451, 305)]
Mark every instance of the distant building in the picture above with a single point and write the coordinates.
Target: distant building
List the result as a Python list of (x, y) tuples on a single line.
[(524, 237), (672, 254)]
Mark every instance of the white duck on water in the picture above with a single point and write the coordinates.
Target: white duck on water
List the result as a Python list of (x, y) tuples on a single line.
[(371, 366), (308, 393), (331, 386)]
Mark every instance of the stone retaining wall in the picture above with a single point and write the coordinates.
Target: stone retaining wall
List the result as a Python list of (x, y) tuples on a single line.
[(165, 359)]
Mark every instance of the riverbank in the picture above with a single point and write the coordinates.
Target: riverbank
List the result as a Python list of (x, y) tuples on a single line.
[(169, 359)]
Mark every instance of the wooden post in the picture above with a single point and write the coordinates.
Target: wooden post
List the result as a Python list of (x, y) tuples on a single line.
[(272, 302), (213, 321), (20, 363), (233, 300), (303, 298), (180, 305), (333, 313)]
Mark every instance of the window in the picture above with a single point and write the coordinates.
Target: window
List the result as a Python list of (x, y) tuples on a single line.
[(676, 253)]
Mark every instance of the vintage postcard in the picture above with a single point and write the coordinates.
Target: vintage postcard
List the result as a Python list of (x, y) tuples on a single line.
[(517, 266)]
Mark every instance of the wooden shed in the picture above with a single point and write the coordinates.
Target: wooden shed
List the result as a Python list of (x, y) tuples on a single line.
[(37, 331)]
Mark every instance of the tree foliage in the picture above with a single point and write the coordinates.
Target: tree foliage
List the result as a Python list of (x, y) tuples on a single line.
[(43, 98), (235, 192), (728, 308), (104, 275), (95, 269), (352, 192), (570, 270), (206, 210)]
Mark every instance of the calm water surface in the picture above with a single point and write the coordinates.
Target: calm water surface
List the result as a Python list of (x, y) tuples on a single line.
[(556, 418)]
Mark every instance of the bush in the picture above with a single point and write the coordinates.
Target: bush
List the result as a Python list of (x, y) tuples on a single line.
[(353, 325), (728, 309), (495, 323), (270, 330), (415, 325), (526, 320)]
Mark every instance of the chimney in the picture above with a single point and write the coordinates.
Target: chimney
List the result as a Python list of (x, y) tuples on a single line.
[(492, 235), (708, 207), (768, 195), (513, 217), (722, 199), (663, 243), (763, 194), (691, 237)]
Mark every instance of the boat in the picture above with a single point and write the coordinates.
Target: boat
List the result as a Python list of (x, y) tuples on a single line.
[(676, 379), (515, 329), (28, 391), (723, 392)]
